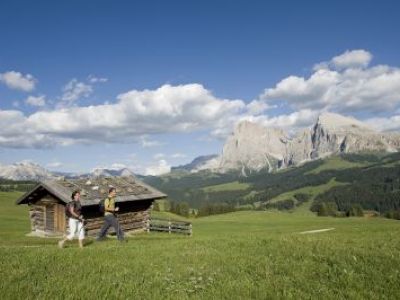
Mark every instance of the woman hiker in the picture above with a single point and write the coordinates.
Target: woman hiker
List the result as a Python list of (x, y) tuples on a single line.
[(73, 211)]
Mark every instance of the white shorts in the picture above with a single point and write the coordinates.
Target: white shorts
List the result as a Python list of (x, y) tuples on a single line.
[(76, 228)]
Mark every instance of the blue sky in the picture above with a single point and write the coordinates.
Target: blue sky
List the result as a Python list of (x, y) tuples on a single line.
[(152, 84)]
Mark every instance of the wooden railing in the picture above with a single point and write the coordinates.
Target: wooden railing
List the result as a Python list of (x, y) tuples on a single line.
[(170, 226)]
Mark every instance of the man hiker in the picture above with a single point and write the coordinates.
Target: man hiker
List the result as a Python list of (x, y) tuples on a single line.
[(110, 218), (73, 211)]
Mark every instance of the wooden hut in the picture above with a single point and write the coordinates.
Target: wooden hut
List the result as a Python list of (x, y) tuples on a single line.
[(48, 198)]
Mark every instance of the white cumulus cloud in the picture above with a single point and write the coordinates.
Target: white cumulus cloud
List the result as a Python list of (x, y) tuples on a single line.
[(345, 84), (391, 123), (162, 167), (351, 59), (94, 79), (18, 81), (352, 87), (291, 122), (178, 155), (75, 90), (55, 164), (257, 107), (147, 143), (158, 156), (133, 118), (16, 132), (36, 101)]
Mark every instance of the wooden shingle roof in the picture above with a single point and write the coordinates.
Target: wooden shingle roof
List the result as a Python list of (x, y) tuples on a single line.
[(93, 190)]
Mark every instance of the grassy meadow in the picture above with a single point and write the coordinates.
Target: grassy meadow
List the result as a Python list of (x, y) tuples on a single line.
[(242, 255), (231, 186), (312, 191), (337, 163)]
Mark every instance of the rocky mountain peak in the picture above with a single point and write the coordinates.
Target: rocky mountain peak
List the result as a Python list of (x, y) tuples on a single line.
[(26, 163), (24, 170), (253, 146), (205, 162), (245, 128), (336, 122), (124, 172)]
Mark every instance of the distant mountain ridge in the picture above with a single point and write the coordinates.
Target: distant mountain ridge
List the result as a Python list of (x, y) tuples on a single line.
[(111, 172), (252, 147), (199, 163), (27, 170)]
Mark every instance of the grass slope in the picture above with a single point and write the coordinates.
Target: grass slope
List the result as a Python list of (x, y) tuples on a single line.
[(231, 186), (337, 163), (243, 255), (309, 190)]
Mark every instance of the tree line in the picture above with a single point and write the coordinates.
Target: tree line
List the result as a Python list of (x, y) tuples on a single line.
[(8, 185), (374, 187)]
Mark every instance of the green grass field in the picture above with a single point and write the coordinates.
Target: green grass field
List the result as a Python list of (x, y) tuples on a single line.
[(337, 163), (242, 255), (313, 191), (231, 186)]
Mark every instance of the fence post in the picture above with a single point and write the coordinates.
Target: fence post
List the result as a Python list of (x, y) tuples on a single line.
[(190, 230), (169, 227)]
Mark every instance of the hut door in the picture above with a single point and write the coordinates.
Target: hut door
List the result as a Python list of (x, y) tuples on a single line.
[(49, 226), (59, 210), (55, 218)]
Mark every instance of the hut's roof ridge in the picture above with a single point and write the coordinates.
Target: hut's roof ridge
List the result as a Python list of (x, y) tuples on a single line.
[(93, 189)]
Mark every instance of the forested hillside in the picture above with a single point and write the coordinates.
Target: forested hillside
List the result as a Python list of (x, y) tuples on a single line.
[(7, 185), (369, 180)]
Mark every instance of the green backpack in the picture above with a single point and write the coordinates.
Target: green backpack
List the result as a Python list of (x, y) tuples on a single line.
[(101, 205)]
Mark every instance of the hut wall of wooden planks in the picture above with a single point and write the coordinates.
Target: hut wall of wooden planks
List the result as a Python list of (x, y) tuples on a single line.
[(47, 216)]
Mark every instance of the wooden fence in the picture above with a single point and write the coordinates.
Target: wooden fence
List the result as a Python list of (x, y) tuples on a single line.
[(162, 225)]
